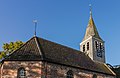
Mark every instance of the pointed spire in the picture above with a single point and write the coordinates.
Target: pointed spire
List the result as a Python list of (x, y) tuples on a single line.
[(90, 12), (91, 28)]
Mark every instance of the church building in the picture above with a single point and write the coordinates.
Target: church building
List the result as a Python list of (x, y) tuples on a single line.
[(41, 58)]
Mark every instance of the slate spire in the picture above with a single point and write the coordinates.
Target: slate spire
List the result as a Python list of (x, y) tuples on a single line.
[(91, 29)]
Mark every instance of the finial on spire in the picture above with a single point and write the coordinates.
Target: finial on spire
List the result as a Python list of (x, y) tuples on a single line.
[(90, 9), (35, 23)]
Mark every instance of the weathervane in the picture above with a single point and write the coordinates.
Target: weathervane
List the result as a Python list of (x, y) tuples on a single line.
[(90, 6), (90, 9), (35, 23)]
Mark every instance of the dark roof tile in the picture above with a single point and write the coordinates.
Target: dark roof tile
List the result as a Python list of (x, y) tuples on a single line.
[(29, 51)]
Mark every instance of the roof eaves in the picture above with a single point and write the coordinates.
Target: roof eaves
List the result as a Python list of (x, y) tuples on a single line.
[(110, 69)]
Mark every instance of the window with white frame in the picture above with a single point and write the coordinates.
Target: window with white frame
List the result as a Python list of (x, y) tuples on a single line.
[(21, 73)]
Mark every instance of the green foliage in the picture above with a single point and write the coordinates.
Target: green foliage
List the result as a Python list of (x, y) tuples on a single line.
[(10, 47), (3, 54)]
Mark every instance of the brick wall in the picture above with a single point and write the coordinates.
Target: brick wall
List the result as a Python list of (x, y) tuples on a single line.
[(59, 71), (10, 68), (37, 69)]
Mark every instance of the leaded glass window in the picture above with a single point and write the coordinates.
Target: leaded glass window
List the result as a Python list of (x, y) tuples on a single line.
[(21, 73)]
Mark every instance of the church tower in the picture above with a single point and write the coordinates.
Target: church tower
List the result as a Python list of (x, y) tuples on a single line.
[(92, 44)]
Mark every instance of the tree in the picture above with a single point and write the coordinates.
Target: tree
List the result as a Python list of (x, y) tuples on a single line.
[(12, 46), (3, 54)]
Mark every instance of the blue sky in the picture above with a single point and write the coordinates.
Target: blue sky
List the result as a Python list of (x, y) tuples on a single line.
[(61, 21)]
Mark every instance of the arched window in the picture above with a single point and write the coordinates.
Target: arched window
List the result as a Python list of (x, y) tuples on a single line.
[(21, 73), (83, 48), (87, 45), (94, 76), (70, 74), (100, 46), (96, 45)]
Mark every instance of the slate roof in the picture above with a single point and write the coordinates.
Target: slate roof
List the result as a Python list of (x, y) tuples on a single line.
[(91, 29), (37, 49)]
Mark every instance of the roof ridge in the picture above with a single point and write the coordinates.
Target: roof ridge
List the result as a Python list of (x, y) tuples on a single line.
[(60, 44), (38, 46)]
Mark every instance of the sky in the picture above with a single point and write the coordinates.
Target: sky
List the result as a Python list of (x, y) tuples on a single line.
[(61, 21)]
